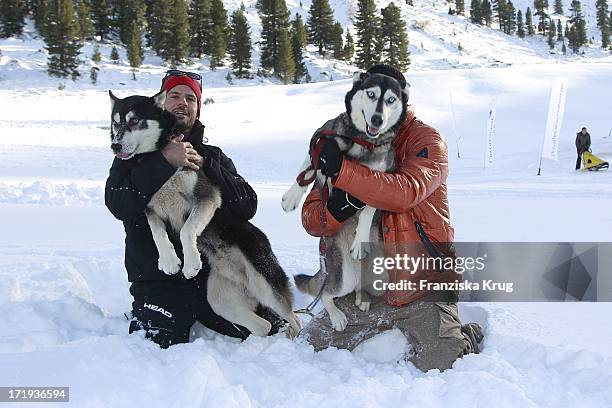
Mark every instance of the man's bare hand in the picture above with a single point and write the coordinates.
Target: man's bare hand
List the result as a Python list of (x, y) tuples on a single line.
[(179, 154)]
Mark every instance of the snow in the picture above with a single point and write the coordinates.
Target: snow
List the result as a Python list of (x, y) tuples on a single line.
[(63, 287)]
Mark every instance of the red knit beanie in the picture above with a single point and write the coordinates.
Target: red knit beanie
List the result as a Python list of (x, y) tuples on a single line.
[(173, 81)]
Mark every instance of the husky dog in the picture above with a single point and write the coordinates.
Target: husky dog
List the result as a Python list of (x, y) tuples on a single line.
[(375, 108), (243, 269)]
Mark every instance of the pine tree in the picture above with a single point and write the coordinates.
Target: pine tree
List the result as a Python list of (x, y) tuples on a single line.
[(564, 48), (507, 17), (498, 7), (336, 41), (39, 12), (128, 12), (285, 68), (572, 40), (551, 35), (114, 55), (199, 27), (475, 15), (578, 24), (297, 25), (321, 25), (239, 47), (297, 46), (349, 47), (605, 38), (12, 17), (86, 28), (96, 56), (276, 52), (394, 38), (460, 7), (559, 7), (559, 31), (367, 24), (529, 23), (602, 13), (603, 22), (270, 27), (158, 22), (101, 12), (218, 18), (512, 16), (174, 42), (520, 28), (486, 12), (62, 39), (93, 74), (134, 48), (541, 6)]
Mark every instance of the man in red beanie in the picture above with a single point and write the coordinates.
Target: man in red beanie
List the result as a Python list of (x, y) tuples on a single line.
[(165, 307)]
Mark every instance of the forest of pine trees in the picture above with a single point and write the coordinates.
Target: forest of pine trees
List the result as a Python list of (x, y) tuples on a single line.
[(511, 21), (177, 30)]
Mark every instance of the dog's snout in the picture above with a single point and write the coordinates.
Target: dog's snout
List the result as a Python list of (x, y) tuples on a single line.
[(376, 120), (116, 147)]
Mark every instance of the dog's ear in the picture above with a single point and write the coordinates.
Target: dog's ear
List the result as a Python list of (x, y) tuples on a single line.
[(406, 92), (160, 99), (359, 77), (113, 99)]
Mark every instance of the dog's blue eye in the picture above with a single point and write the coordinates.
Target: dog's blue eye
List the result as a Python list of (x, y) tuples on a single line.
[(134, 121), (370, 94), (391, 99)]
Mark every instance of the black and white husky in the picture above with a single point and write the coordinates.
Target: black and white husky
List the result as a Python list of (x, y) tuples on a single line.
[(243, 269), (375, 108)]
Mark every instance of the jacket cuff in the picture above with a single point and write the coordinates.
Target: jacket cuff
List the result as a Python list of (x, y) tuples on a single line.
[(345, 176), (152, 172)]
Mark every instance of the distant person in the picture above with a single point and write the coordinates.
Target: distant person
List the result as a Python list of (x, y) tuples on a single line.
[(583, 144)]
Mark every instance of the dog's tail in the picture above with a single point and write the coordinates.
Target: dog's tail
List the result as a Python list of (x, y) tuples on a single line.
[(309, 284)]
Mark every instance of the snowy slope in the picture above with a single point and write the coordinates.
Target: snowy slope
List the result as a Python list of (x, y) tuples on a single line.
[(434, 39), (63, 286)]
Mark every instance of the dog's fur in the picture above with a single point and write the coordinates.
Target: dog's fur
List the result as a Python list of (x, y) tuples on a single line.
[(375, 109), (243, 269)]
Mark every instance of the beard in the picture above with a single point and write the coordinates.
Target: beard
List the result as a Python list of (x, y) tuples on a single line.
[(185, 124)]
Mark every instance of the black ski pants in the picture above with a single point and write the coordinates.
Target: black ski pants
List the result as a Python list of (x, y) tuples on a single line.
[(167, 309)]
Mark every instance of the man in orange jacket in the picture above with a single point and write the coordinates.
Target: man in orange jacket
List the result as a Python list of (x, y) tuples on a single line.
[(414, 204)]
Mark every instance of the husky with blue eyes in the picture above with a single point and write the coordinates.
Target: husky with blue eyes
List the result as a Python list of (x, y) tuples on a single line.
[(244, 272), (376, 107)]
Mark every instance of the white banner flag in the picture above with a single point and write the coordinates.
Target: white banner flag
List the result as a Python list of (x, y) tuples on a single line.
[(457, 137), (489, 159), (556, 109)]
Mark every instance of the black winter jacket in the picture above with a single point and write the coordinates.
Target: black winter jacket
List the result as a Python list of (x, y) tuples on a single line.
[(583, 142), (131, 183)]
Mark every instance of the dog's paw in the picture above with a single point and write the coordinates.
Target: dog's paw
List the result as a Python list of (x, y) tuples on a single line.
[(359, 250), (292, 198), (338, 320), (295, 326), (169, 263), (192, 267), (362, 301), (364, 306)]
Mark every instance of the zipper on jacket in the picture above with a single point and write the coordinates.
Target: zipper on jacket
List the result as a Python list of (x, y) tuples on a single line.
[(431, 248)]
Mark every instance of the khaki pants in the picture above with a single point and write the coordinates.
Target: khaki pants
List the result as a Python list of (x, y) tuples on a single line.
[(432, 328)]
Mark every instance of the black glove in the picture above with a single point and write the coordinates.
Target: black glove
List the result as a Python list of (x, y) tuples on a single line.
[(330, 160), (342, 205)]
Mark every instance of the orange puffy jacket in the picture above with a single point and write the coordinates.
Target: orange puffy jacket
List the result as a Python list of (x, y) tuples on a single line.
[(414, 192)]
